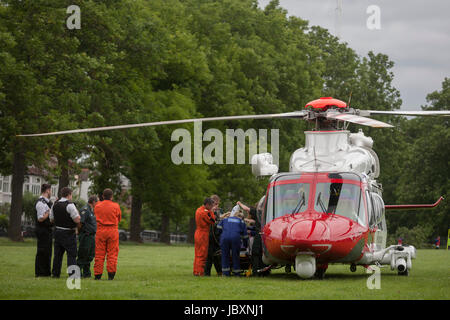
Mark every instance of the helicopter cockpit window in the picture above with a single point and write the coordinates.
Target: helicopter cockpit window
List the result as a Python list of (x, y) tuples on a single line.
[(370, 211), (287, 199), (339, 198), (378, 210), (362, 212)]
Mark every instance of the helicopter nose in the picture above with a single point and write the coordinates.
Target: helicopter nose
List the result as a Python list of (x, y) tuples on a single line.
[(309, 230), (308, 235)]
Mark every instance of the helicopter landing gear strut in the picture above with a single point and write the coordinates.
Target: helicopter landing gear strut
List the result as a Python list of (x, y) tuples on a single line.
[(403, 273), (320, 271), (288, 268)]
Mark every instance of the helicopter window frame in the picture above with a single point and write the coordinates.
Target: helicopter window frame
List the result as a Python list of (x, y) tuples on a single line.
[(362, 217), (274, 209), (379, 210), (261, 210), (356, 200), (370, 210), (268, 211)]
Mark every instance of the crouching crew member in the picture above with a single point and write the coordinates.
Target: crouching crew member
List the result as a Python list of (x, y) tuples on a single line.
[(67, 219), (233, 230), (43, 233), (86, 237), (108, 215), (204, 217)]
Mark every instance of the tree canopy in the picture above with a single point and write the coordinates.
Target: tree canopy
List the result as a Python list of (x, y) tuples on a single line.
[(136, 61)]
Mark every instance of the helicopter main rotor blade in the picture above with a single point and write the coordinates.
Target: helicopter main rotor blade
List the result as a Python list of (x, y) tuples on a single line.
[(404, 113), (295, 114), (358, 120)]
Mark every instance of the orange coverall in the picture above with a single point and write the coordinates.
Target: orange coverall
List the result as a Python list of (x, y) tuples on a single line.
[(203, 219), (108, 215)]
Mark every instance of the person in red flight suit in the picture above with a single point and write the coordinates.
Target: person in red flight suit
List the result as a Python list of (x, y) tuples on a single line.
[(108, 215), (204, 217)]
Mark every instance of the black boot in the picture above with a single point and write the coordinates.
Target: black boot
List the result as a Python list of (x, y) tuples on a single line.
[(98, 276), (111, 275)]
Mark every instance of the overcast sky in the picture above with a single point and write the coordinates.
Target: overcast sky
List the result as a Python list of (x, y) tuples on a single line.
[(415, 34)]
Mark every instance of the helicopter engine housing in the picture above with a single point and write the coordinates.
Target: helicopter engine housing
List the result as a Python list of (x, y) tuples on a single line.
[(336, 151)]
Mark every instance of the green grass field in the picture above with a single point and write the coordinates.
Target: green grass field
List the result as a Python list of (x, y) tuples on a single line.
[(153, 271)]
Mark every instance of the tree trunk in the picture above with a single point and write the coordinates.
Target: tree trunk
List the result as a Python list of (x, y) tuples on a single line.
[(165, 234), (135, 218), (191, 231), (64, 177), (18, 177)]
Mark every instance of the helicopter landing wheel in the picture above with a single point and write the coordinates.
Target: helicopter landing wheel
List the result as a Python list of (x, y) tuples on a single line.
[(353, 267), (403, 273), (287, 268)]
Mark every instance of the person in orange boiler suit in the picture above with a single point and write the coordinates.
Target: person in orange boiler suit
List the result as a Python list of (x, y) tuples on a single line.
[(204, 217), (108, 215)]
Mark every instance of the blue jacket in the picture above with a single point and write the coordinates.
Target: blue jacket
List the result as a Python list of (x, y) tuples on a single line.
[(233, 228)]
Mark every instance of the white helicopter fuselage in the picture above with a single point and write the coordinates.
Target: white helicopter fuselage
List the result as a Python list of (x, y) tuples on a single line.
[(339, 151)]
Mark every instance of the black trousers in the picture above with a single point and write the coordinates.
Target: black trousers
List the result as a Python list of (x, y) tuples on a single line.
[(43, 259), (256, 259), (213, 257), (65, 241)]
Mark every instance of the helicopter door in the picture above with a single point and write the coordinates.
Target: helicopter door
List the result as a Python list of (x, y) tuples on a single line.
[(371, 217), (370, 212), (260, 210), (380, 222)]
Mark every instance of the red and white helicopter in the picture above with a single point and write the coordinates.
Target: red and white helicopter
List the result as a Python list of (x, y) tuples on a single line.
[(328, 208)]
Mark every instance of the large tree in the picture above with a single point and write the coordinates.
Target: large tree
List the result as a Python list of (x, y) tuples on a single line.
[(138, 61), (424, 175), (261, 62), (56, 79), (35, 58)]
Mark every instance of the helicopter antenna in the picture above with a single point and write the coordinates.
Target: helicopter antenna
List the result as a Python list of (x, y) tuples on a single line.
[(346, 124), (349, 99), (338, 18)]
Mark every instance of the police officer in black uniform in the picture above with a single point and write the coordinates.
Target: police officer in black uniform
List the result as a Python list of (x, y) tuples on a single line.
[(67, 219), (43, 233), (86, 237)]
